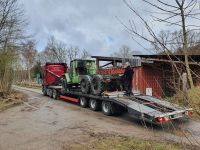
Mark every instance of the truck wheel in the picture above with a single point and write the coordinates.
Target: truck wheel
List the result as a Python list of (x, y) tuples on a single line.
[(94, 104), (107, 108), (50, 93), (55, 94), (85, 84), (97, 85), (83, 102), (44, 91)]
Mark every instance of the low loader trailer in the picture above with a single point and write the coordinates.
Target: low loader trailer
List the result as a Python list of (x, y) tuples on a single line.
[(147, 108)]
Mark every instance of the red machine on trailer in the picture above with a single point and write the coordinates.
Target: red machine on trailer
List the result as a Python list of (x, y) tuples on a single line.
[(52, 74)]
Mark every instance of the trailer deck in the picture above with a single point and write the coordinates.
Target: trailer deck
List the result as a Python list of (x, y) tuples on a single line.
[(147, 108)]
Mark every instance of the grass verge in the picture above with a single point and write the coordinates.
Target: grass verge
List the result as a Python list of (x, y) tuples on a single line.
[(193, 99), (13, 99), (119, 143)]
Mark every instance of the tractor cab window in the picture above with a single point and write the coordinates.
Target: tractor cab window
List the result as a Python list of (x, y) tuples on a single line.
[(81, 67)]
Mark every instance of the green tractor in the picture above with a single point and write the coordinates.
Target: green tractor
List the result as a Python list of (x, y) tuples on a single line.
[(80, 75), (83, 75)]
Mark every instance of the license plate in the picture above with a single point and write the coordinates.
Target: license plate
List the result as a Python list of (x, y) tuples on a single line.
[(177, 115)]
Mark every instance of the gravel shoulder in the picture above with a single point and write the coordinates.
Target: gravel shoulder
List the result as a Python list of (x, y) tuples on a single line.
[(46, 124)]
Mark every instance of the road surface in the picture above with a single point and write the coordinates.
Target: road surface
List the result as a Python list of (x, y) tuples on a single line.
[(45, 124)]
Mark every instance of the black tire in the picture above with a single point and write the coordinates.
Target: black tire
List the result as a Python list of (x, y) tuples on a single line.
[(97, 85), (94, 104), (107, 108), (85, 84), (84, 102), (50, 93), (55, 94), (118, 110), (44, 91)]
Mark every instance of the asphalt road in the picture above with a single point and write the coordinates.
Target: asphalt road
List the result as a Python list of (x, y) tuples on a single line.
[(45, 124)]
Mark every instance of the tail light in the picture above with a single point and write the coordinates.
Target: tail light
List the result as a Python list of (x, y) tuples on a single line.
[(161, 119), (189, 113)]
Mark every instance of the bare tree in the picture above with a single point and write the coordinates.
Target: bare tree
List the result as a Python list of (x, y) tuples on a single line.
[(55, 51), (73, 53), (11, 22), (11, 32), (124, 52), (29, 54), (176, 13), (85, 54)]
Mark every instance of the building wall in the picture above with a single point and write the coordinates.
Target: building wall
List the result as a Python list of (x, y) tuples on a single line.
[(148, 78)]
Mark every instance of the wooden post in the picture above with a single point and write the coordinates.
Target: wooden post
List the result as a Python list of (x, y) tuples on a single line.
[(185, 93)]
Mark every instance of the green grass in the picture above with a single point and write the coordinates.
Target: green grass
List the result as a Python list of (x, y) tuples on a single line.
[(126, 144)]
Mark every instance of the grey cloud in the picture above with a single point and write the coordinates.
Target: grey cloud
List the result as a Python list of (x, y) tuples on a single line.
[(89, 24)]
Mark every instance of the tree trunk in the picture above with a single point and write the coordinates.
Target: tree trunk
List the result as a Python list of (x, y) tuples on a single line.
[(185, 49), (29, 76), (185, 93)]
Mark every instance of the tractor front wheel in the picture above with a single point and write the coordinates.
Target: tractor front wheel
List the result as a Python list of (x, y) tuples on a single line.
[(97, 85), (85, 84)]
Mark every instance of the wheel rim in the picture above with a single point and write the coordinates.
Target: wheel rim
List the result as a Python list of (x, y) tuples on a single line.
[(44, 90), (105, 107), (54, 94), (93, 103), (82, 101)]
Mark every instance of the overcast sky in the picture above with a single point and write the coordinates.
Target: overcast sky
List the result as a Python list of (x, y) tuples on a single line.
[(89, 24)]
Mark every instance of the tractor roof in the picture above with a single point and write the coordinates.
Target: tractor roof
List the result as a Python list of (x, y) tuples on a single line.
[(90, 59)]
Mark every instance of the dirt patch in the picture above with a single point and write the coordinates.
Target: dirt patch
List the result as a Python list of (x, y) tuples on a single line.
[(15, 98)]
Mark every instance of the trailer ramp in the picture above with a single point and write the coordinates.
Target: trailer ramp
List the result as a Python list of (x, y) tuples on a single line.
[(153, 109)]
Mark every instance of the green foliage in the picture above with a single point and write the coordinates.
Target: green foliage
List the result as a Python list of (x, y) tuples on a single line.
[(37, 69)]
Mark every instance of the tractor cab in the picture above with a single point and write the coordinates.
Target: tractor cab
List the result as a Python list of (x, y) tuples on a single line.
[(80, 67)]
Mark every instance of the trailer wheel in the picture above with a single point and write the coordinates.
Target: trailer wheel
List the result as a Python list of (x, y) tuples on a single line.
[(83, 102), (107, 108), (85, 84), (44, 91), (94, 104), (118, 110), (97, 85), (55, 94)]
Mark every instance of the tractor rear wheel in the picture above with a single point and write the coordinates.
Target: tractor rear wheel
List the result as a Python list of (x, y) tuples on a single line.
[(85, 84), (97, 85)]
